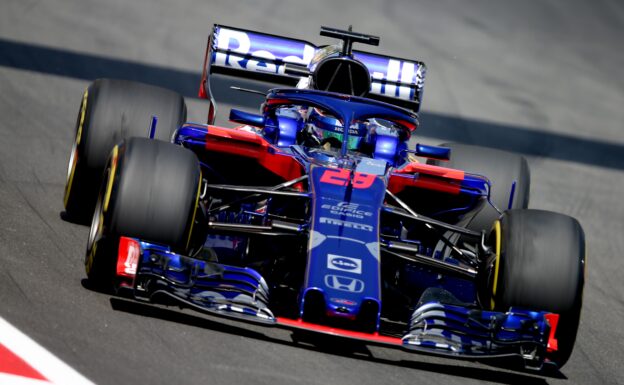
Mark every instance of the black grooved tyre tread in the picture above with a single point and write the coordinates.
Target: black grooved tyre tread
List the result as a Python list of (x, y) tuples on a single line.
[(111, 111), (151, 193), (501, 168), (542, 267)]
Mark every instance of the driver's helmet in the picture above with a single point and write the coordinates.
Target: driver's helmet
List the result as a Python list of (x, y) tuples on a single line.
[(326, 129)]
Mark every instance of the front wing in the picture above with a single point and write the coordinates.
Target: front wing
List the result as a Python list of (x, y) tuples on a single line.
[(151, 271)]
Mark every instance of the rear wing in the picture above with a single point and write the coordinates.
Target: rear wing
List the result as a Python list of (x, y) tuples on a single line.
[(263, 56)]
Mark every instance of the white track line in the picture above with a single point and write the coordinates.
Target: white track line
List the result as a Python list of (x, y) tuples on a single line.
[(52, 368)]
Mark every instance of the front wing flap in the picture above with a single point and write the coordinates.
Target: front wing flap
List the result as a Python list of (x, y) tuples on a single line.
[(204, 286), (434, 328)]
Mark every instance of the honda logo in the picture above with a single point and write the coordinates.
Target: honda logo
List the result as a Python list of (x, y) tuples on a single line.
[(339, 282)]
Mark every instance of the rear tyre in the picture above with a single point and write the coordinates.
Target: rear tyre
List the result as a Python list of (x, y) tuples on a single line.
[(110, 111), (501, 168), (150, 192), (541, 265)]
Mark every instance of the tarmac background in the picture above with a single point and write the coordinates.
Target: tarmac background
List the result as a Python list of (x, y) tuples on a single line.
[(541, 78)]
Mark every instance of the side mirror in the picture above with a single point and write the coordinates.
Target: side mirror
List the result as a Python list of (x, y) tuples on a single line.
[(386, 148), (238, 116), (433, 152)]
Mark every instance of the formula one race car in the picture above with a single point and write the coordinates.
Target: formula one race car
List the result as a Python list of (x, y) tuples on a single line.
[(315, 214)]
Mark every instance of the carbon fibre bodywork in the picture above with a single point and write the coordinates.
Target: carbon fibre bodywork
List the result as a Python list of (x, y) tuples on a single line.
[(349, 263), (366, 244)]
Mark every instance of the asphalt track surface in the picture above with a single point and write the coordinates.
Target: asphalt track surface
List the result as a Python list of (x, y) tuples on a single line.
[(541, 78)]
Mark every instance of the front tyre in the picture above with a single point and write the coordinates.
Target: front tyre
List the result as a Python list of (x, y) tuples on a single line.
[(150, 192), (540, 264)]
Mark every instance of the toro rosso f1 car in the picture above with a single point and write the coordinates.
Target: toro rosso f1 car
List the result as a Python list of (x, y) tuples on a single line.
[(316, 214)]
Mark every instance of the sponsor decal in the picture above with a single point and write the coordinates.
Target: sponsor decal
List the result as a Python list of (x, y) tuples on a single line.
[(342, 301), (410, 75), (342, 177), (346, 209), (338, 262), (265, 53), (396, 67), (240, 46), (338, 282), (347, 224)]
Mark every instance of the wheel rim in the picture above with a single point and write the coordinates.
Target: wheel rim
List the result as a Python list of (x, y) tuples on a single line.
[(95, 232), (96, 224), (71, 168)]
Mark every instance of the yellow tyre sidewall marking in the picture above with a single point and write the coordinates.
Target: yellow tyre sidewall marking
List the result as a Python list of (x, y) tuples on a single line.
[(74, 156), (83, 112), (111, 178), (188, 241), (497, 250), (89, 262), (70, 178)]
